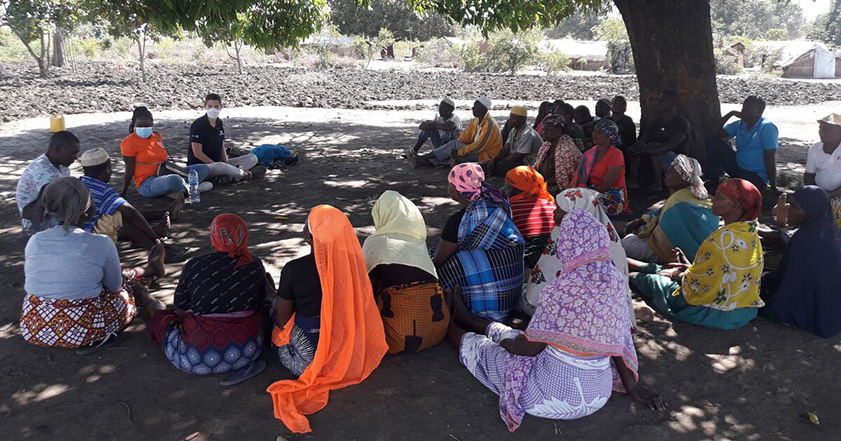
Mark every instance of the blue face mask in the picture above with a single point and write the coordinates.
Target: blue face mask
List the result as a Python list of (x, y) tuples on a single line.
[(143, 132)]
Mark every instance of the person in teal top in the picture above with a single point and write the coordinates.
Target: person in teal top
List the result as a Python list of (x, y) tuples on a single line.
[(756, 145)]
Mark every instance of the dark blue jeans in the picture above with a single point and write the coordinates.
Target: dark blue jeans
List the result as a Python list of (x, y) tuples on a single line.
[(722, 158)]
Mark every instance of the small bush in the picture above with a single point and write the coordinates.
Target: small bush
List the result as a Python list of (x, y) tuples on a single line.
[(503, 52), (553, 62), (725, 64)]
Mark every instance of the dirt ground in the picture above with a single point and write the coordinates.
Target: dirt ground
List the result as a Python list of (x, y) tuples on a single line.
[(756, 383)]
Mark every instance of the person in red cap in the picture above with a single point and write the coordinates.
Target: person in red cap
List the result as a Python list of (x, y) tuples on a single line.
[(720, 288)]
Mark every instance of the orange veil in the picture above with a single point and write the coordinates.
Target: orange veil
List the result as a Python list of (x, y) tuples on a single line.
[(352, 340)]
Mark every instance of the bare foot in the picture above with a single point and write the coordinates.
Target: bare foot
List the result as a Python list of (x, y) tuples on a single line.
[(644, 313), (155, 265), (175, 208), (162, 227), (145, 298)]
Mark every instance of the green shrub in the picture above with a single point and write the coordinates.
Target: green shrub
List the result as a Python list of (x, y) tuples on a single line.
[(553, 62), (503, 52), (726, 64), (11, 48)]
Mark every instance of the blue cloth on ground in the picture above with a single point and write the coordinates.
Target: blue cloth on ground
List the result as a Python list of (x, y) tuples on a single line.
[(268, 153)]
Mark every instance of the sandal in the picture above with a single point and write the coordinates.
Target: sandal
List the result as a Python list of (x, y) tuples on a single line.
[(110, 340), (244, 373)]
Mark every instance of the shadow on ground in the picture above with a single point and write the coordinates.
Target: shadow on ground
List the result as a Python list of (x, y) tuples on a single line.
[(754, 383)]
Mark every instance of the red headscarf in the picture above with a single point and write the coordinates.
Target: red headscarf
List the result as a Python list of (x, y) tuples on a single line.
[(745, 194), (529, 181), (229, 234)]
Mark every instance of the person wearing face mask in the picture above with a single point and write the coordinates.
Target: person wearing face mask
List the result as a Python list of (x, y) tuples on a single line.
[(207, 138), (144, 154), (61, 153)]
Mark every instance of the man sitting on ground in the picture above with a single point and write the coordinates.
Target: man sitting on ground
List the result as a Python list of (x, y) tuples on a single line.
[(207, 136), (823, 163), (661, 141), (61, 153), (479, 143), (627, 128), (115, 217), (521, 147), (756, 146), (444, 128)]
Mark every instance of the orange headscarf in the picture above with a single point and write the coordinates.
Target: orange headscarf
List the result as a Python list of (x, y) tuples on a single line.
[(229, 234), (529, 181), (745, 194), (352, 340)]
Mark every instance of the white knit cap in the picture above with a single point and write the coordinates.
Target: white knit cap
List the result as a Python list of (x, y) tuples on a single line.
[(94, 157), (449, 102), (485, 101)]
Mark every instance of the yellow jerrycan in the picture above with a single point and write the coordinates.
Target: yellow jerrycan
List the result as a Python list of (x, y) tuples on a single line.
[(56, 122)]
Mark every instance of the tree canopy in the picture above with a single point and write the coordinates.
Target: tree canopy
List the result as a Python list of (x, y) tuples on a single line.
[(353, 18)]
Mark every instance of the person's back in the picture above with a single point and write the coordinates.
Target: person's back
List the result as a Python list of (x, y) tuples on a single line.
[(213, 284), (70, 264)]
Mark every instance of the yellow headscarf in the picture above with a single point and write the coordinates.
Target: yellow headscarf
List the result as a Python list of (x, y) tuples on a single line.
[(400, 236)]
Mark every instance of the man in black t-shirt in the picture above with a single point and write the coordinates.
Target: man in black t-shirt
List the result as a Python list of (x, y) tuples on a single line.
[(661, 141), (207, 137)]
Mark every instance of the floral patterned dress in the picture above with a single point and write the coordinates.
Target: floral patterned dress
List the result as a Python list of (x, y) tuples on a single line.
[(721, 288)]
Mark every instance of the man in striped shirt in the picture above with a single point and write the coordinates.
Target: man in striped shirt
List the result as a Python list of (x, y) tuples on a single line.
[(115, 217)]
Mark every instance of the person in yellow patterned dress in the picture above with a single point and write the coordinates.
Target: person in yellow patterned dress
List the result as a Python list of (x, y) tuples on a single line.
[(720, 289)]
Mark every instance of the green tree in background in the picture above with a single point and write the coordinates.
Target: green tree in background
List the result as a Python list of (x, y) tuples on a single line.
[(34, 21), (755, 18), (610, 30), (578, 26), (352, 17), (827, 27)]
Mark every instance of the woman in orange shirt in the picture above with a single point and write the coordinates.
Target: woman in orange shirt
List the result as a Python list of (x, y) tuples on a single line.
[(143, 153), (603, 168)]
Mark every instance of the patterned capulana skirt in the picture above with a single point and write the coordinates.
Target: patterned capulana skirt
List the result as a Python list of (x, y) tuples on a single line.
[(75, 323), (208, 344), (303, 342)]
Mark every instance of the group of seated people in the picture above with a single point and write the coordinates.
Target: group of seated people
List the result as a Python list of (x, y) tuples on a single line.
[(547, 255)]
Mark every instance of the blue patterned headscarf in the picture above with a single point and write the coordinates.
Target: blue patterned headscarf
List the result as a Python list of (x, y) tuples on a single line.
[(609, 128)]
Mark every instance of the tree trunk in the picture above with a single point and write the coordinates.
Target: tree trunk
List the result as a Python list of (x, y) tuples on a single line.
[(58, 48), (673, 50), (43, 62), (238, 48), (141, 51)]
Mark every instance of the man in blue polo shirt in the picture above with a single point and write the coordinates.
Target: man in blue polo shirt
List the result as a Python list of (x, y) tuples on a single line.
[(114, 215), (756, 146)]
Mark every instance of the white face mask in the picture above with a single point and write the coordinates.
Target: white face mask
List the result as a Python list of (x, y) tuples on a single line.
[(213, 113)]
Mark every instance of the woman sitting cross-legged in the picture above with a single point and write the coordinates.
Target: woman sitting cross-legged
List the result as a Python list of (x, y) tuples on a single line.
[(603, 168), (720, 289), (328, 330), (215, 326), (576, 349), (533, 210), (683, 221), (77, 296), (803, 291), (480, 248), (404, 279)]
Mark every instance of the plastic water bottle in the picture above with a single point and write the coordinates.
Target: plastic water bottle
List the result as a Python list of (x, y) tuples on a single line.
[(193, 180)]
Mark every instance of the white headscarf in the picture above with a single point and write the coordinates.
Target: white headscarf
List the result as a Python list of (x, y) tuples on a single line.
[(690, 171)]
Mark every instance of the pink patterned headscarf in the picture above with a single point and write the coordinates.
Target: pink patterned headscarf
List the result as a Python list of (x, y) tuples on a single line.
[(585, 310), (468, 178)]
